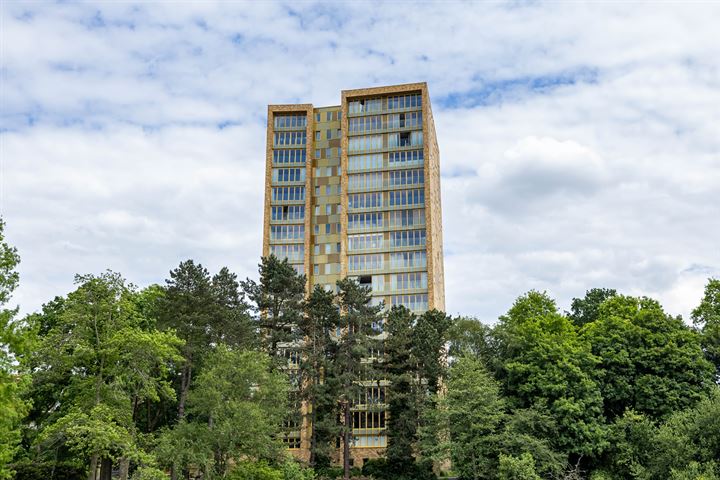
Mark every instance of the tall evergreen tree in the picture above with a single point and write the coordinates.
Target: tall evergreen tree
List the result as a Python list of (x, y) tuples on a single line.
[(401, 370), (278, 299), (358, 318), (318, 354), (204, 312)]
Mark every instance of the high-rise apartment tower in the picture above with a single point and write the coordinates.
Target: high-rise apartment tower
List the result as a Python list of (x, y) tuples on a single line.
[(354, 191)]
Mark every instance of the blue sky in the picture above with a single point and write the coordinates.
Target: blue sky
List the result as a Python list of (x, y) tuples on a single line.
[(579, 141)]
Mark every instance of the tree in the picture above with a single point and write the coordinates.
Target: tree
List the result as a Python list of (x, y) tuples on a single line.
[(473, 412), (517, 468), (14, 340), (543, 361), (278, 300), (109, 363), (469, 337), (707, 317), (352, 368), (401, 370), (319, 390), (235, 411), (649, 361), (586, 310), (429, 338), (204, 312), (688, 437)]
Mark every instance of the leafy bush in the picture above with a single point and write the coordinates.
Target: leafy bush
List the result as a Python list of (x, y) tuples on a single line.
[(255, 471)]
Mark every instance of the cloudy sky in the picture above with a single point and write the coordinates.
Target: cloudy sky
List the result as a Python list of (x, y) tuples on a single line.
[(579, 141)]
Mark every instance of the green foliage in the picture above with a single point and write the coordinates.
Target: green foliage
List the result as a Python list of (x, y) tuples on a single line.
[(696, 471), (532, 430), (235, 411), (468, 337), (254, 471), (586, 310), (354, 345), (707, 317), (100, 360), (15, 340), (473, 412), (402, 393), (691, 435), (319, 387), (648, 361), (517, 468), (278, 299), (542, 360), (203, 311)]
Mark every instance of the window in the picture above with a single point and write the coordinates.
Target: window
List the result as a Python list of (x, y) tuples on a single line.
[(365, 242), (291, 138), (288, 194), (317, 117), (317, 191), (287, 232), (328, 116), (289, 156), (287, 212), (316, 269), (407, 238), (329, 134), (327, 229), (399, 102), (293, 252), (290, 121), (316, 229), (370, 220), (417, 302), (370, 142), (328, 248), (365, 262), (328, 209), (406, 157), (408, 281), (365, 162), (328, 152), (317, 153), (407, 218), (405, 177), (288, 175), (406, 197), (365, 200), (365, 181), (316, 250), (408, 259)]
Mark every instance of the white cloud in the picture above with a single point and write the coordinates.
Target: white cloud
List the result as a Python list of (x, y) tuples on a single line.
[(579, 142)]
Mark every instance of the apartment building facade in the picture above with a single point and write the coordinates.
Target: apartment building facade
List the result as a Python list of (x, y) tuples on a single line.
[(354, 191)]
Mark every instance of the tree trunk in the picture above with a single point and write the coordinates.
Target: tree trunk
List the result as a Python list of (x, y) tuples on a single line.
[(93, 467), (124, 468), (185, 387), (106, 469), (346, 442), (313, 435)]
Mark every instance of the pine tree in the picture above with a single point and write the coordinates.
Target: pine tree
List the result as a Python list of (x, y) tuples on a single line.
[(358, 318), (320, 390)]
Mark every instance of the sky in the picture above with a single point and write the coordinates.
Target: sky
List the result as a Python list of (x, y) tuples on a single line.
[(579, 142)]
